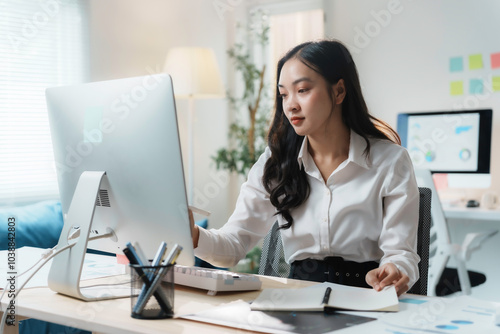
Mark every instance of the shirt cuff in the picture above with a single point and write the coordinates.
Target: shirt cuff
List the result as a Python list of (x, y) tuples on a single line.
[(205, 244)]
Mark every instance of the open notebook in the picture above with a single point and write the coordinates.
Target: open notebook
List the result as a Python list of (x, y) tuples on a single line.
[(327, 295)]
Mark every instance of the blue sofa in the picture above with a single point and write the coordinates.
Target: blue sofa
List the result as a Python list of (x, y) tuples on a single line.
[(37, 225)]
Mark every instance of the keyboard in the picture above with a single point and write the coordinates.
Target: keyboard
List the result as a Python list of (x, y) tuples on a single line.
[(215, 280)]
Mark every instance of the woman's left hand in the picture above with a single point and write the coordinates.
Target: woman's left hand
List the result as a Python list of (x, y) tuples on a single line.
[(386, 275)]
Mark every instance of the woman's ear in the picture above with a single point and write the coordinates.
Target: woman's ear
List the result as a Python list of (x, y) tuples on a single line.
[(339, 91)]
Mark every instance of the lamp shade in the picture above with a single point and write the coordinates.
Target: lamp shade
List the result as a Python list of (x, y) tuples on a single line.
[(194, 72)]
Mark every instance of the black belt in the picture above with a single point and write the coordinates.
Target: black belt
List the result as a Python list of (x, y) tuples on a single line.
[(333, 269)]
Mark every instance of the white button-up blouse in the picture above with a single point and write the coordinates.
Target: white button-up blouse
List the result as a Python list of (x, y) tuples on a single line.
[(366, 211)]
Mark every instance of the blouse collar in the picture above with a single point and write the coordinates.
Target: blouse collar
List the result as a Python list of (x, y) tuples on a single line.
[(357, 145)]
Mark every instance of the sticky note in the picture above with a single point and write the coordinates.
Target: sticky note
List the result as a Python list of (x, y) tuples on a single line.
[(475, 62), (495, 60), (456, 64), (121, 259), (476, 86), (440, 181), (495, 81), (457, 88)]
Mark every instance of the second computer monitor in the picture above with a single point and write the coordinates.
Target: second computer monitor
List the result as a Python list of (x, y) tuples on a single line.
[(448, 141)]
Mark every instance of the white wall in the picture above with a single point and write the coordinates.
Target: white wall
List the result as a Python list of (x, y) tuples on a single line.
[(130, 38), (404, 64)]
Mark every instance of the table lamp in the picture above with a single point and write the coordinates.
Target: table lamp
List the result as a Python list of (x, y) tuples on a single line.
[(195, 75)]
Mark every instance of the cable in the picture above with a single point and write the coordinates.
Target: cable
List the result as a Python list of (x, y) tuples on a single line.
[(47, 255), (44, 256), (13, 299)]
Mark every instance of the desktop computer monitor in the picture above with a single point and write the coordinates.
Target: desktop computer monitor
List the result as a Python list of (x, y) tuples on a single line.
[(457, 143), (119, 168)]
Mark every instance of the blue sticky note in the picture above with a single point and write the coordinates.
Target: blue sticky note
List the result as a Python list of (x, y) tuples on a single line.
[(456, 64), (476, 86)]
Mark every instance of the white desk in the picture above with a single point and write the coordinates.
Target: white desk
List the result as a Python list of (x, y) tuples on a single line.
[(471, 213), (113, 316)]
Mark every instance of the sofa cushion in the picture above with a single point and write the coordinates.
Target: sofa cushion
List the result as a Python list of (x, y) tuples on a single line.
[(36, 225)]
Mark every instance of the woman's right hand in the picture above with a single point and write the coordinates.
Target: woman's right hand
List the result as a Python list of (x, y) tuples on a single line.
[(195, 232)]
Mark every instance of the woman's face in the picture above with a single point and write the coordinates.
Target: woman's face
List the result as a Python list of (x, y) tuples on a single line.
[(307, 99)]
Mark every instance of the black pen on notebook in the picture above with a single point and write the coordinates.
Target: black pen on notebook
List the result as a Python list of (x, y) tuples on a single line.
[(326, 297)]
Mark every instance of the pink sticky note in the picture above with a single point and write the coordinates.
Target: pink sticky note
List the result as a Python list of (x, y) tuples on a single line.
[(121, 259), (495, 60), (440, 181)]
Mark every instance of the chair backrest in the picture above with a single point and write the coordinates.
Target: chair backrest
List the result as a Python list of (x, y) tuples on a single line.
[(272, 262), (440, 228), (440, 238), (423, 240)]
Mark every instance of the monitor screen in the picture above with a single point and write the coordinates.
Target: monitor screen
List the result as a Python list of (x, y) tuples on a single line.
[(126, 128), (448, 141)]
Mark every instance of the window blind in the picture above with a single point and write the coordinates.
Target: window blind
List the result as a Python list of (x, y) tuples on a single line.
[(43, 43)]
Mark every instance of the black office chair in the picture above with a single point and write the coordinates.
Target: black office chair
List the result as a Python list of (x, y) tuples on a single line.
[(272, 262)]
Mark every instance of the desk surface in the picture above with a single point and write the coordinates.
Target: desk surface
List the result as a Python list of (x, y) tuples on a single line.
[(460, 212)]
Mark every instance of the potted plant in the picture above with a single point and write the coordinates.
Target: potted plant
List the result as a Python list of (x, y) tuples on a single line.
[(247, 139)]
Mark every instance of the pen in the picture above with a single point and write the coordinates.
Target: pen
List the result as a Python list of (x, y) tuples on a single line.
[(199, 211), (138, 253), (132, 255), (326, 297), (158, 259), (174, 254), (159, 256)]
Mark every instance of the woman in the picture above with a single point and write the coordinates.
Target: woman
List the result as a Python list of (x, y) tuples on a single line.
[(335, 178)]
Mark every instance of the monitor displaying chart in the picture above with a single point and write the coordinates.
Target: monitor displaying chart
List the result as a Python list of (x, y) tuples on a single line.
[(448, 142)]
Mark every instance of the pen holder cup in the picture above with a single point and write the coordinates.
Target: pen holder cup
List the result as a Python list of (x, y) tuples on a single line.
[(149, 304)]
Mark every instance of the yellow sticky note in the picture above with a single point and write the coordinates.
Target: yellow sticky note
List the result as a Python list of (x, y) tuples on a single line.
[(475, 62), (457, 88), (496, 84)]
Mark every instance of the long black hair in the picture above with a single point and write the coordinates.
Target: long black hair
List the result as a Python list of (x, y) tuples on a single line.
[(285, 181)]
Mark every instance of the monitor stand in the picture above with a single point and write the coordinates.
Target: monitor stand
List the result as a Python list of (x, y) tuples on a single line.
[(66, 269)]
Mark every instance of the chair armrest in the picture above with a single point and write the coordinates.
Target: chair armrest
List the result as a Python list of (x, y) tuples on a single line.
[(473, 241)]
